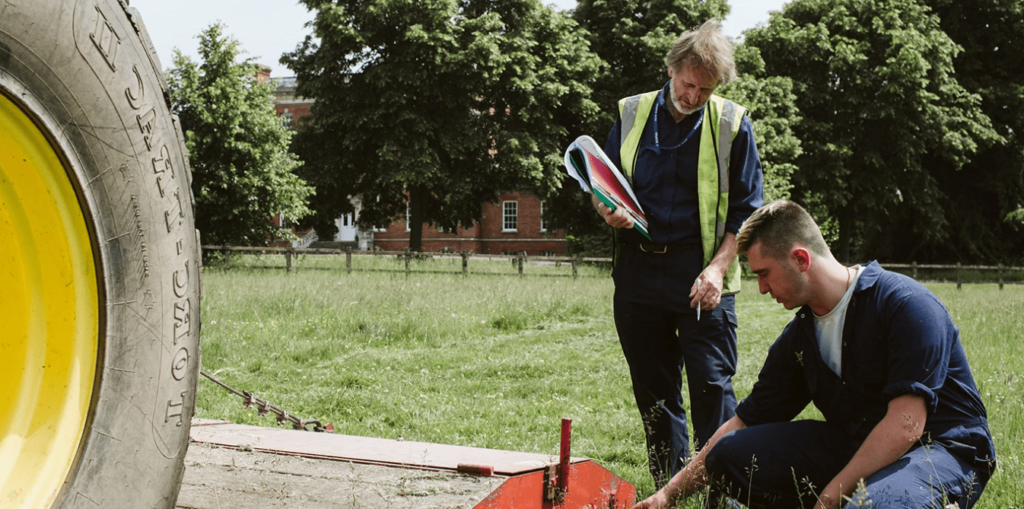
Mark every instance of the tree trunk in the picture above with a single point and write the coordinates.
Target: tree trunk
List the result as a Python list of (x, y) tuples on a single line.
[(416, 195)]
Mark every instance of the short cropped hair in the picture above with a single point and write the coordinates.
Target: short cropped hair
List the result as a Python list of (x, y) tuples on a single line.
[(705, 48), (779, 226)]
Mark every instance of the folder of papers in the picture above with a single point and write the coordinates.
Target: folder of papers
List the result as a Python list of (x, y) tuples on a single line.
[(588, 164)]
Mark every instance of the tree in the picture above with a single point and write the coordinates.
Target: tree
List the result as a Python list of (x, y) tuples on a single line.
[(242, 171), (879, 94), (443, 103), (990, 187), (774, 115)]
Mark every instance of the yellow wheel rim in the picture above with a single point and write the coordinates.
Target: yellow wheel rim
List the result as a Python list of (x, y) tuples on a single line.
[(49, 315)]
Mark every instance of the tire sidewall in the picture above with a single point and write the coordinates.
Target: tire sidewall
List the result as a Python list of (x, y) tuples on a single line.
[(83, 71)]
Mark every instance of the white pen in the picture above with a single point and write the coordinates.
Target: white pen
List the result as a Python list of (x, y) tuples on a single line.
[(698, 302)]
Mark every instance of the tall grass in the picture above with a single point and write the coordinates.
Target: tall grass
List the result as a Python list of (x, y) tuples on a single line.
[(497, 361)]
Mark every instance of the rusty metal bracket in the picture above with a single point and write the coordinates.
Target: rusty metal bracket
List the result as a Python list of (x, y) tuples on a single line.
[(552, 492), (556, 476)]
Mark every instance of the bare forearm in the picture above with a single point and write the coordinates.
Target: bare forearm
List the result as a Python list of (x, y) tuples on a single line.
[(726, 253), (695, 475), (897, 432)]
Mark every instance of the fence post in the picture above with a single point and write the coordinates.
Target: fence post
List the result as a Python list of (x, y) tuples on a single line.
[(520, 264), (348, 259), (1000, 276), (913, 265), (574, 267), (957, 275), (465, 263), (288, 259), (227, 258)]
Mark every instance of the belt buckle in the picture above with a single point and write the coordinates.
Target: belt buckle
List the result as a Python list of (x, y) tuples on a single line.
[(664, 249)]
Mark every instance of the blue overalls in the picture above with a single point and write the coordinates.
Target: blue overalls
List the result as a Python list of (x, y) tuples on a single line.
[(897, 339)]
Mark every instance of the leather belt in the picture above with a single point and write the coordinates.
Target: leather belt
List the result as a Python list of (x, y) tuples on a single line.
[(650, 248)]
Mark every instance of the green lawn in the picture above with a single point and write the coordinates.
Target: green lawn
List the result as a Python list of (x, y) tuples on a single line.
[(497, 361)]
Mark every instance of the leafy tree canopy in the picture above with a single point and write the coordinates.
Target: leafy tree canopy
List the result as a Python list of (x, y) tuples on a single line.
[(450, 101), (774, 115), (242, 171), (876, 85), (991, 185)]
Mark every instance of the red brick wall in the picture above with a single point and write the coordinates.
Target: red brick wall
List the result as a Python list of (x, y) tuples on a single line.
[(486, 237), (297, 109)]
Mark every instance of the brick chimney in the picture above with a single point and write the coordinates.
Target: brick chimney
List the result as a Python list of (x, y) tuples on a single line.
[(262, 73)]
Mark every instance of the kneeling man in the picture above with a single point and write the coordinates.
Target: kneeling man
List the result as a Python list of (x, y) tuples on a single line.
[(879, 356)]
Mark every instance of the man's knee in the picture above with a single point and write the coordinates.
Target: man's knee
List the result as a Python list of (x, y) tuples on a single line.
[(725, 457)]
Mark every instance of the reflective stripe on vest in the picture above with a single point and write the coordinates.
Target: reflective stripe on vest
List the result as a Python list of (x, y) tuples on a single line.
[(722, 115)]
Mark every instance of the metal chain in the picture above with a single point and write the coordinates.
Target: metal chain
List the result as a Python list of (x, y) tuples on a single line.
[(263, 408)]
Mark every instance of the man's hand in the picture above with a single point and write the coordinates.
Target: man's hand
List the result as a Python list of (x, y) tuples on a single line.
[(693, 476), (655, 501), (616, 217), (706, 291), (831, 498), (708, 295)]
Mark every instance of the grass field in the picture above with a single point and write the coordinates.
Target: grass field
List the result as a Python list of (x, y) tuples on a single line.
[(497, 361)]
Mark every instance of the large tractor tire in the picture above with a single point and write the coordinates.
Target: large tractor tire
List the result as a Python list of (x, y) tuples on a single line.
[(99, 269)]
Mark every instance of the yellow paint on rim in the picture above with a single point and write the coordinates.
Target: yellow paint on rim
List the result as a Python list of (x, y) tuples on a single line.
[(49, 316)]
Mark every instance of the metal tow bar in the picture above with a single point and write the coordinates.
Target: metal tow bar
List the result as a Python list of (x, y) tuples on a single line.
[(263, 408)]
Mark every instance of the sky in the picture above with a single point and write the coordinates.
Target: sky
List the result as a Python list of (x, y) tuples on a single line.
[(269, 28)]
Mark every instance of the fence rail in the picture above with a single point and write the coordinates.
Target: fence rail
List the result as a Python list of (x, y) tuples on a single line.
[(520, 259)]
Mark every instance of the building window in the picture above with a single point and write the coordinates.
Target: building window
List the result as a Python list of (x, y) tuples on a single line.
[(543, 226), (547, 252), (408, 217), (286, 118), (380, 229), (509, 216)]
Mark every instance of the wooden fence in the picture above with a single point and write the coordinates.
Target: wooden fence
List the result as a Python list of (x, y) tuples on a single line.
[(519, 261)]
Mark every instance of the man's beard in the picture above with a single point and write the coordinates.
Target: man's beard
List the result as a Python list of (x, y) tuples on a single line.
[(675, 102)]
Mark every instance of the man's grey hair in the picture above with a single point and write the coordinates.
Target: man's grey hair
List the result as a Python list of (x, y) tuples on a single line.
[(705, 48)]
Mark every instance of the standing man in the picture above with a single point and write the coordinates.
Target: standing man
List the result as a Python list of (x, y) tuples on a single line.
[(691, 159), (879, 356)]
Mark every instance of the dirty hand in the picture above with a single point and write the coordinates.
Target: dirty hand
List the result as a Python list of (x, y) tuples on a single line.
[(655, 501), (707, 289)]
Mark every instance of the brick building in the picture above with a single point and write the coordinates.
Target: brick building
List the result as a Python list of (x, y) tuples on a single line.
[(513, 225)]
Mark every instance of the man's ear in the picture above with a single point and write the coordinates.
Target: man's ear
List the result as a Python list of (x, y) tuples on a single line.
[(802, 257)]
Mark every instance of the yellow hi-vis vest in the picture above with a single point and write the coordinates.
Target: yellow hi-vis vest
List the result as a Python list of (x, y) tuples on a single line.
[(720, 116)]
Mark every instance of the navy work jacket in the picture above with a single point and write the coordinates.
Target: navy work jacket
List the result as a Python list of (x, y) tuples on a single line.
[(665, 178), (898, 339)]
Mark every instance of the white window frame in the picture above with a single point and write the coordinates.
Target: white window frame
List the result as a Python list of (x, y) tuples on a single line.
[(508, 219), (543, 227), (408, 217)]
